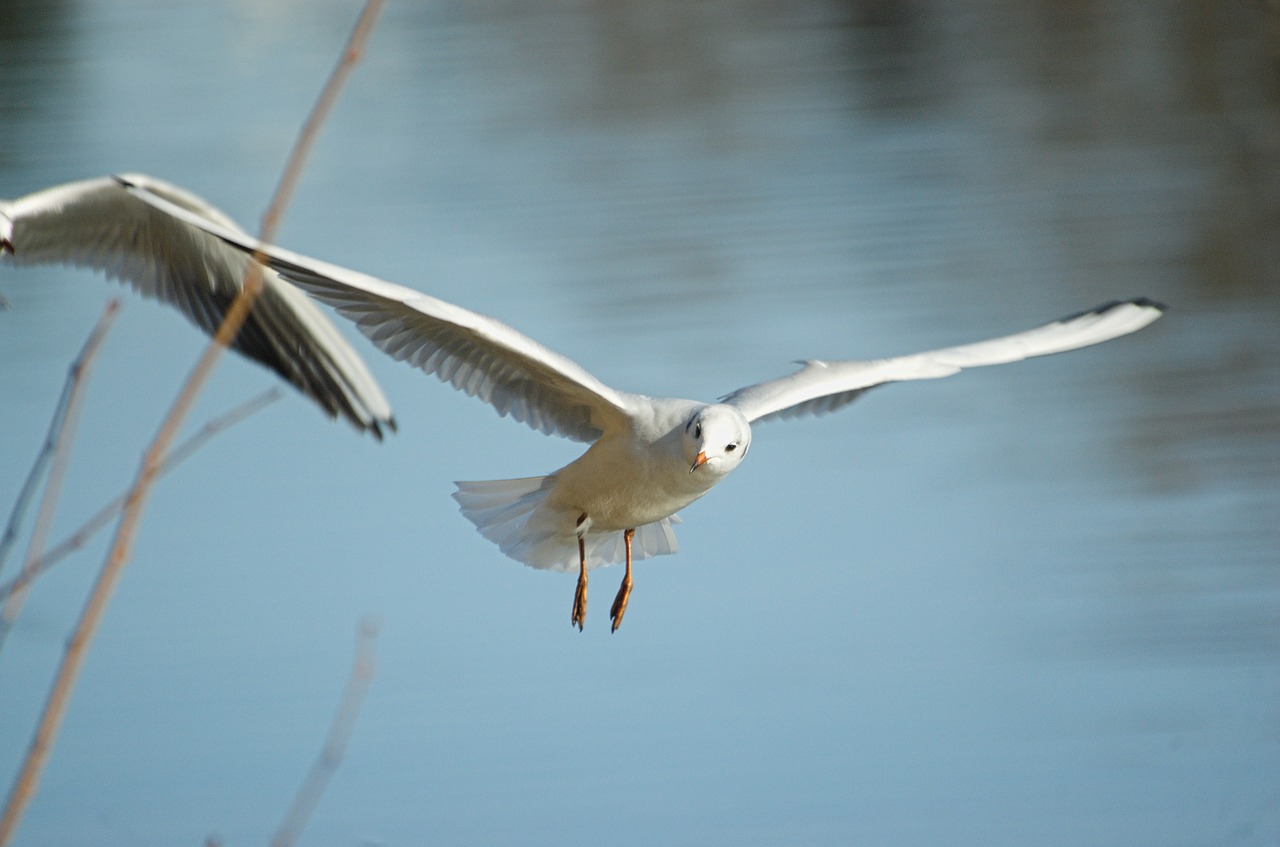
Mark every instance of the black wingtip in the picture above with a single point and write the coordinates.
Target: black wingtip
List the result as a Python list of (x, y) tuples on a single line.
[(1144, 302), (375, 428), (1150, 304), (6, 236)]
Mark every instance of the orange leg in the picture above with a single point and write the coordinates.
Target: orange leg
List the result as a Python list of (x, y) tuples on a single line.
[(580, 596), (624, 592)]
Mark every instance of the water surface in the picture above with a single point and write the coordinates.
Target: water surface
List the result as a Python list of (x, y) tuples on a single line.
[(1027, 605)]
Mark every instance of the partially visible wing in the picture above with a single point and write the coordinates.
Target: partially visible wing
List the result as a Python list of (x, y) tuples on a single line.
[(820, 387), (474, 353), (97, 223)]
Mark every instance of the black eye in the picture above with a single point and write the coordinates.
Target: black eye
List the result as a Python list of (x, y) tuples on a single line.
[(730, 448), (697, 430)]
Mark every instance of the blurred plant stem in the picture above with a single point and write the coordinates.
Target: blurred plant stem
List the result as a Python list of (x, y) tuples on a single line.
[(39, 564), (28, 777), (308, 796), (61, 430)]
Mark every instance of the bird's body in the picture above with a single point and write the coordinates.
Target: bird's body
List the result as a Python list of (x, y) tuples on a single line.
[(97, 223), (649, 457), (637, 478), (632, 478)]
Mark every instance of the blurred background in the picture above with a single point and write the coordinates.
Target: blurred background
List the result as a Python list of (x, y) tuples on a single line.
[(1035, 604)]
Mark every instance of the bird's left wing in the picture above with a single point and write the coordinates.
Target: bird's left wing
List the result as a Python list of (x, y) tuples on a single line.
[(97, 223), (820, 387), (475, 353)]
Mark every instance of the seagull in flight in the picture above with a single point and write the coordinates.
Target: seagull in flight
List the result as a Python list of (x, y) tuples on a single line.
[(649, 457), (99, 224)]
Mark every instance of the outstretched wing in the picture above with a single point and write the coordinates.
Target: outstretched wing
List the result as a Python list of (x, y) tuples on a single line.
[(820, 387), (476, 354), (97, 223)]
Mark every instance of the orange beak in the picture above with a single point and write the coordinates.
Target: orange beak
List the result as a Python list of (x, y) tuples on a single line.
[(699, 461)]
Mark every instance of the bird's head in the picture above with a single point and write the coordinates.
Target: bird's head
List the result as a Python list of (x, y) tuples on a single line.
[(715, 439)]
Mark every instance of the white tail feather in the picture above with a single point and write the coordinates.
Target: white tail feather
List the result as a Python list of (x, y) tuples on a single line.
[(513, 514)]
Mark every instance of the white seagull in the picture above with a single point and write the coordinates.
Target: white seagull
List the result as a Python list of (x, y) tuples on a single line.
[(99, 224), (649, 457)]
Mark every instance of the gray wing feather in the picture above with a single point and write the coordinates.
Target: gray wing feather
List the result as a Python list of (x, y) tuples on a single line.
[(476, 354)]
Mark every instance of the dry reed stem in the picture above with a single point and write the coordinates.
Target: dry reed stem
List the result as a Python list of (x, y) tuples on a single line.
[(57, 427), (77, 645), (99, 519), (59, 445), (326, 764)]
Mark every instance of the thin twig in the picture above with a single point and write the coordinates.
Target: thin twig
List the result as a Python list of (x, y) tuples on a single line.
[(73, 657), (57, 427), (28, 490), (310, 131), (60, 445), (100, 518), (335, 745)]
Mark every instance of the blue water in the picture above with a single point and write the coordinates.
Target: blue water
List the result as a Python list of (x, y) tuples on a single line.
[(1035, 604)]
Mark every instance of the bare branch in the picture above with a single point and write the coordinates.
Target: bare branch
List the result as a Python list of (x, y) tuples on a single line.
[(100, 518), (310, 131), (326, 764), (57, 426), (58, 446), (77, 646)]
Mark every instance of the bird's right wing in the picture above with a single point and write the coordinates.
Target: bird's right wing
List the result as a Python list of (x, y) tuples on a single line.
[(476, 354), (97, 223), (820, 386)]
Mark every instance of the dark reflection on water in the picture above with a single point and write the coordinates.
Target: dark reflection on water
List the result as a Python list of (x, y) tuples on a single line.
[(1042, 606), (37, 66)]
